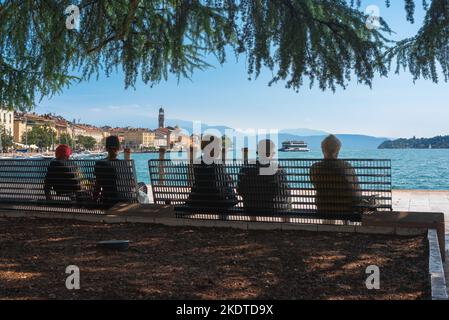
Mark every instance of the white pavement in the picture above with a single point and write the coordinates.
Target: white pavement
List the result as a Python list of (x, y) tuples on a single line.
[(422, 201), (425, 201)]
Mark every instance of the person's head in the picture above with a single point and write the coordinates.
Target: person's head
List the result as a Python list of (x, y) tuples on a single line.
[(211, 146), (331, 147), (112, 147), (63, 152), (266, 149)]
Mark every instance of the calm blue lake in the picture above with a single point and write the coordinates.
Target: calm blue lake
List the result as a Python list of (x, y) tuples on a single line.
[(411, 169)]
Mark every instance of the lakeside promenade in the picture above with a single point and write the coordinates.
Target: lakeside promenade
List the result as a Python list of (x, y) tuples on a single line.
[(411, 200), (423, 201), (426, 201)]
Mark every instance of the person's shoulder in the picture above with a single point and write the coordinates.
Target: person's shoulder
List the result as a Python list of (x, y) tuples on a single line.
[(56, 163), (103, 163), (202, 165), (317, 164), (274, 166), (248, 168), (344, 163)]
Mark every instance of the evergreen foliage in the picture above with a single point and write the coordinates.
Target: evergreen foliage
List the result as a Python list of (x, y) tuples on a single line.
[(301, 41), (439, 142)]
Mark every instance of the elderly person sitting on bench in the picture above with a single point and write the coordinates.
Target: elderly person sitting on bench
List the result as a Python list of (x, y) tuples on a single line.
[(335, 181), (211, 184), (264, 191)]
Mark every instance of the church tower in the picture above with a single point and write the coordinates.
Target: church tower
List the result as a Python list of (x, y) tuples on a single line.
[(161, 118)]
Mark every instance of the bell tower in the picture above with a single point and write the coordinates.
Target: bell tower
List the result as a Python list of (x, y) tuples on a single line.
[(161, 118)]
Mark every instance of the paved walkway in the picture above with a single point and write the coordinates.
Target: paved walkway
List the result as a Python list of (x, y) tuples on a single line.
[(425, 201)]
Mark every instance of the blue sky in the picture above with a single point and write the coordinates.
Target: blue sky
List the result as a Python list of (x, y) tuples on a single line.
[(394, 107)]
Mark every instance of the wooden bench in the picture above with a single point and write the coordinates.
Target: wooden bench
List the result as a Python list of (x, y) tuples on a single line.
[(71, 186), (174, 181)]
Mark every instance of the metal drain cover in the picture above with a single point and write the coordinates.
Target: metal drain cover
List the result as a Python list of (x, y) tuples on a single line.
[(114, 244)]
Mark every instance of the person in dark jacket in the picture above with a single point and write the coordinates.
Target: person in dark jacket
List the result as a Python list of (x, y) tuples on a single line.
[(62, 179), (212, 186), (335, 181), (106, 175), (264, 186)]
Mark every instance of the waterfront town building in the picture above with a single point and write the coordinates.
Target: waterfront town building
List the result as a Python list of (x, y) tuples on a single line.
[(88, 131), (24, 122), (178, 139), (172, 138), (61, 126), (18, 123), (7, 120), (119, 132), (139, 138), (162, 136)]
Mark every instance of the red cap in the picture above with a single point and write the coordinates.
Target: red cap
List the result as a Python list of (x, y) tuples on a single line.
[(63, 151)]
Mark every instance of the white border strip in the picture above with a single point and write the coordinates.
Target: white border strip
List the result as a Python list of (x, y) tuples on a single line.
[(436, 271)]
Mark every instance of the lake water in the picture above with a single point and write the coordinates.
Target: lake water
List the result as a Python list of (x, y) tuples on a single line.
[(411, 168)]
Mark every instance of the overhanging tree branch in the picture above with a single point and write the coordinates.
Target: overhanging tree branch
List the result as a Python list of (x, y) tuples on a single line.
[(300, 41)]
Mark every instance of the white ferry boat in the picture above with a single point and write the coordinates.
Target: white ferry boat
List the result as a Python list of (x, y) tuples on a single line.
[(89, 155), (294, 146)]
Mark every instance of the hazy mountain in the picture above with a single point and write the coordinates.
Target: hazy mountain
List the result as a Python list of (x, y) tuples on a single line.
[(349, 141), (185, 124), (312, 137)]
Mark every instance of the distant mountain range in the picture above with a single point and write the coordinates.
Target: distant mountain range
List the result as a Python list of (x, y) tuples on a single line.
[(349, 141), (187, 125), (312, 137), (439, 142)]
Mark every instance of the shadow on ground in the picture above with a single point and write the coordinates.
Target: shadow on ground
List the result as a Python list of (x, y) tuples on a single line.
[(204, 263)]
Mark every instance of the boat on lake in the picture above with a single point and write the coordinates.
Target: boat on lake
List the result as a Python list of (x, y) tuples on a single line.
[(89, 155), (294, 146)]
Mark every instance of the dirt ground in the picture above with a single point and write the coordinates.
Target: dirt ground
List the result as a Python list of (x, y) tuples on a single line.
[(204, 263)]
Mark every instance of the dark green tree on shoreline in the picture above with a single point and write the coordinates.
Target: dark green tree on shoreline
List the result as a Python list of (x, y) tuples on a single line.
[(86, 142), (7, 141), (322, 42), (66, 139), (439, 142), (41, 136)]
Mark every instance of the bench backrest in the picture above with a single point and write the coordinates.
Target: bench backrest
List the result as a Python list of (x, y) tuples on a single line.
[(309, 186), (66, 186)]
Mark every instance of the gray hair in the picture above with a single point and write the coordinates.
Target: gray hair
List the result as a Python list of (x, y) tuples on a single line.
[(331, 144)]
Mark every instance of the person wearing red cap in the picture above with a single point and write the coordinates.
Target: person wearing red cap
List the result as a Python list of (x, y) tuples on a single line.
[(63, 152), (62, 181)]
